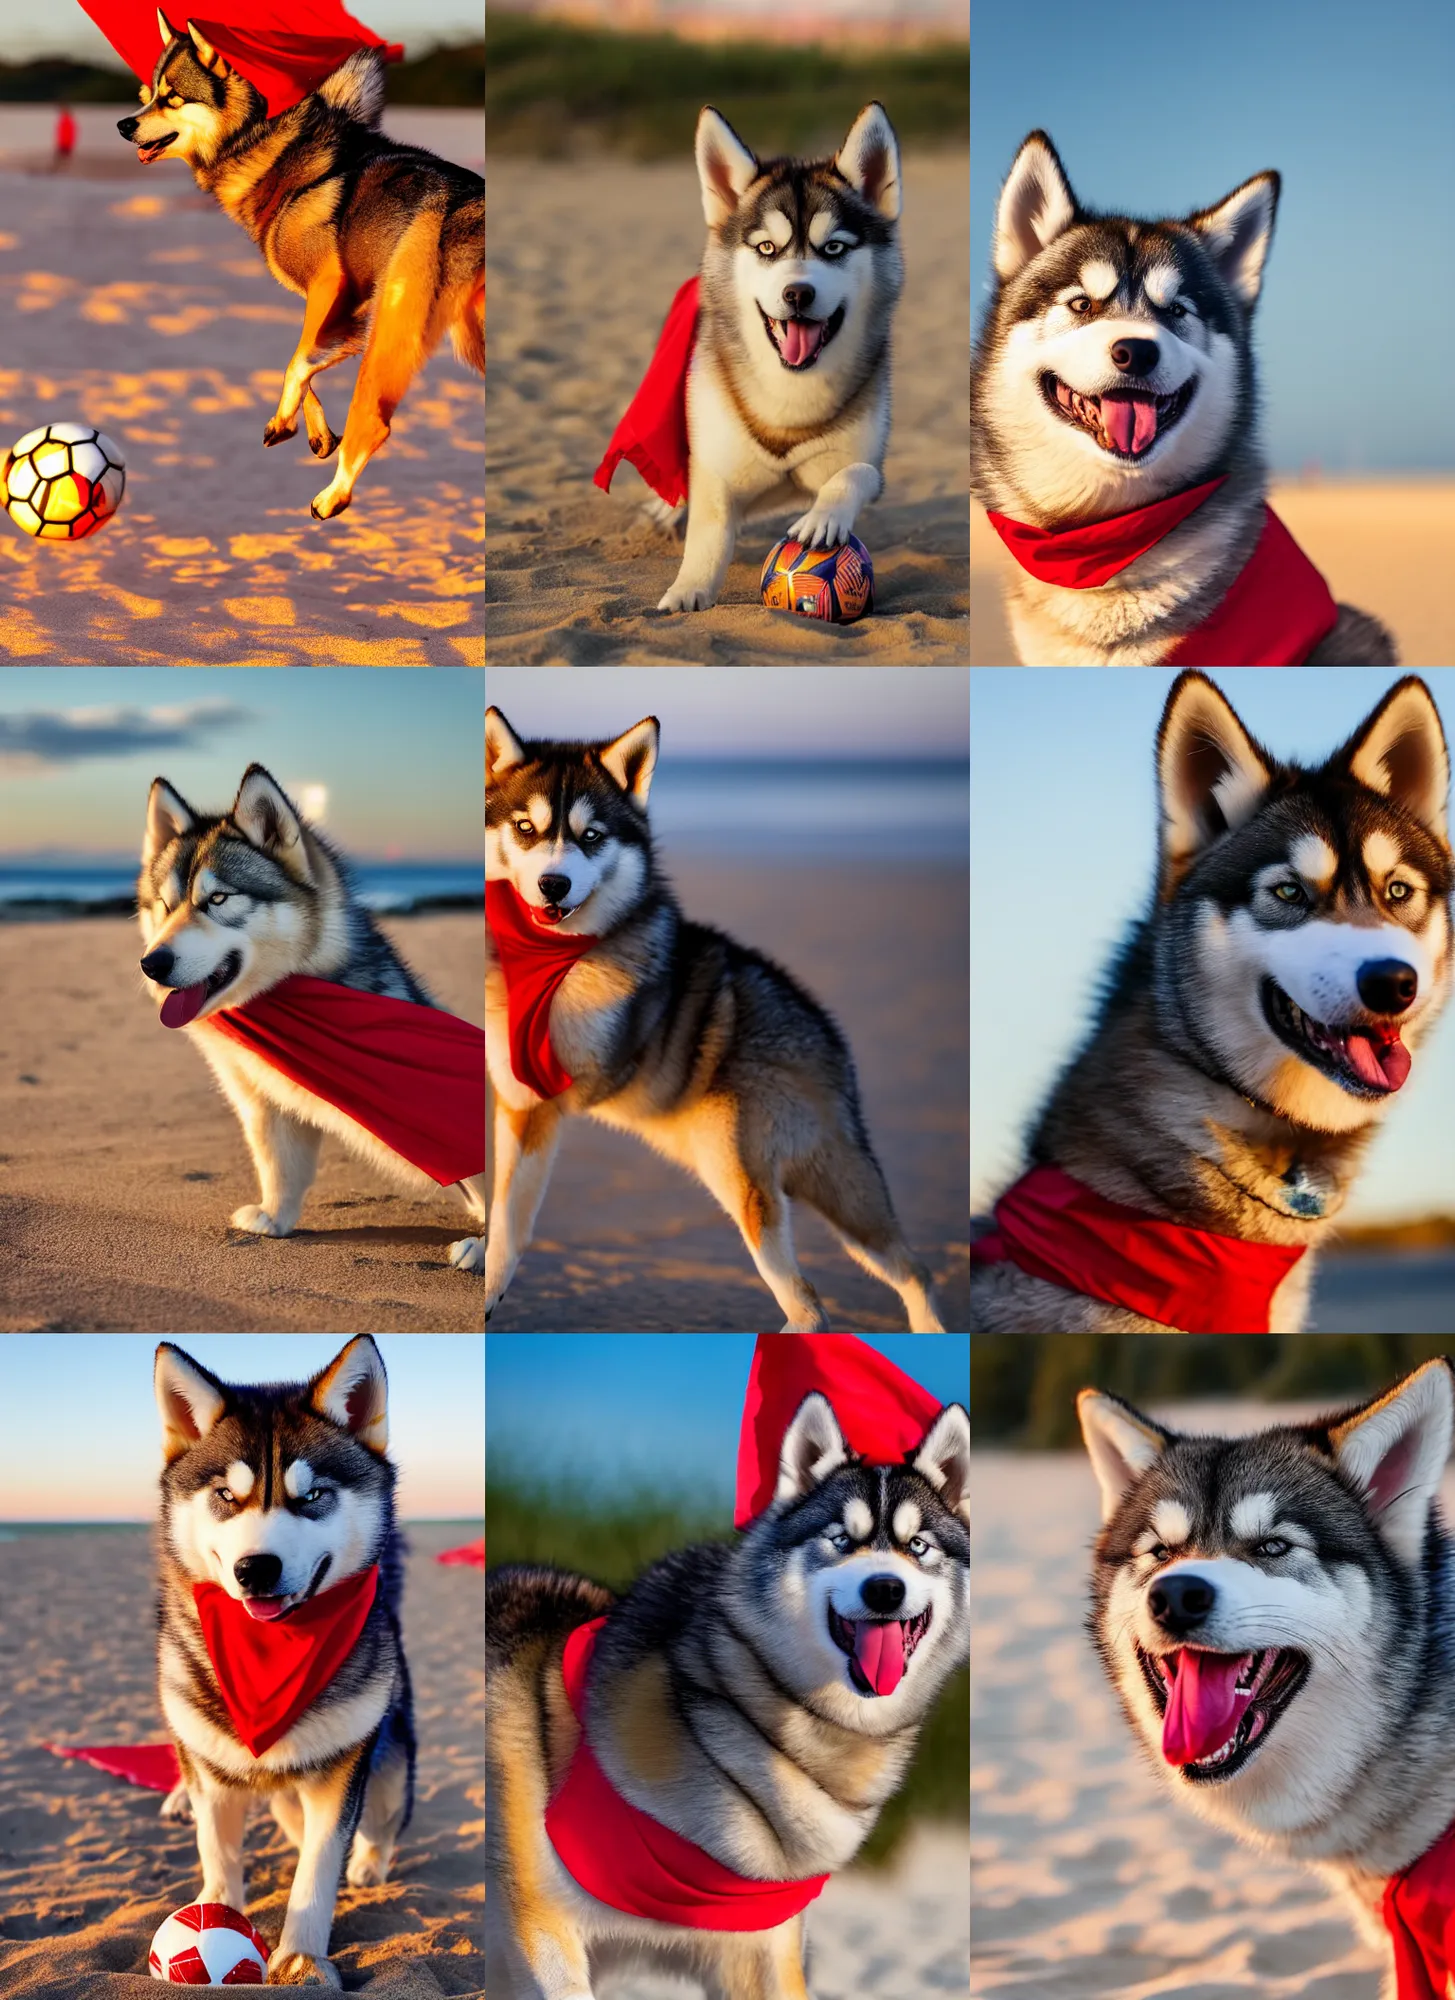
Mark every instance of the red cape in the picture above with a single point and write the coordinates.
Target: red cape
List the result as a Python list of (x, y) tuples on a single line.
[(1419, 1914), (268, 1674), (413, 1076), (631, 1862), (534, 962), (1194, 1280), (285, 48), (151, 1765), (653, 433)]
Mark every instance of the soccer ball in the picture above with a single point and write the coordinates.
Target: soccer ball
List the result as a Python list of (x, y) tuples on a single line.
[(836, 583), (208, 1944), (62, 482)]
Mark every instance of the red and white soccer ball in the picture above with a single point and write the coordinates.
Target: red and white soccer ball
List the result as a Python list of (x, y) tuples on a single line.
[(62, 482), (208, 1944)]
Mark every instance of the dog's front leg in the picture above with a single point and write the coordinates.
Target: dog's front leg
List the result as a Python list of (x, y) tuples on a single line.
[(830, 520), (525, 1150), (219, 1811), (712, 533), (768, 1965), (285, 1155), (468, 1254), (330, 1801)]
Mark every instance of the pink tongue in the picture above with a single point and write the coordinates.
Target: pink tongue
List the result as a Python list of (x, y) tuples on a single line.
[(879, 1649), (800, 340), (1386, 1066), (1203, 1707), (183, 1004), (1130, 421)]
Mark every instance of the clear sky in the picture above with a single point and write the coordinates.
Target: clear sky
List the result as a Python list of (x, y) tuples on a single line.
[(1350, 102), (388, 760), (79, 1436), (614, 1412), (1063, 822), (59, 27)]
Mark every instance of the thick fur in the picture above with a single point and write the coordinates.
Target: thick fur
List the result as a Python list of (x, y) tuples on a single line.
[(1070, 285), (1187, 1102), (385, 243), (246, 899), (721, 1703), (1323, 1540), (812, 241), (284, 1491), (702, 1047)]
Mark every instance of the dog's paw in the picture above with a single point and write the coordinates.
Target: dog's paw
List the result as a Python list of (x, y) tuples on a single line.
[(256, 1221), (177, 1804), (689, 597), (326, 504), (323, 444), (276, 433), (368, 1865), (468, 1254), (671, 520), (300, 1968), (823, 527)]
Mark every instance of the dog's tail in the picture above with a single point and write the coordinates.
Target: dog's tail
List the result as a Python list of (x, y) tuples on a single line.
[(357, 86), (467, 331)]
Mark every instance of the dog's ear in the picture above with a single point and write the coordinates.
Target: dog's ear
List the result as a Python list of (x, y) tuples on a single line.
[(353, 1392), (725, 166), (869, 160), (813, 1447), (503, 748), (207, 55), (168, 815), (1239, 233), (1121, 1444), (165, 29), (944, 1459), (632, 758), (1400, 752), (265, 813), (189, 1399), (1393, 1451), (1210, 773), (1036, 206)]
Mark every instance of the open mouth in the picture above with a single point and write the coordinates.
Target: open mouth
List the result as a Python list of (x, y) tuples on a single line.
[(1368, 1060), (1126, 423), (799, 342), (153, 149), (551, 914), (1217, 1708), (268, 1608), (185, 1003), (879, 1649)]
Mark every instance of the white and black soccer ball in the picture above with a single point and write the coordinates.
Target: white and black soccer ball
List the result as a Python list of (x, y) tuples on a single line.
[(208, 1944), (62, 482)]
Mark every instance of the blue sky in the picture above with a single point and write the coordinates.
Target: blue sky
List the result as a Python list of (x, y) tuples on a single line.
[(618, 1411), (79, 1436), (1063, 823), (1350, 103), (398, 753)]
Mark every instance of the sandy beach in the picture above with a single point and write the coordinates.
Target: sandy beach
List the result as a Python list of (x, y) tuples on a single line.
[(120, 1163), (130, 301), (88, 1870), (584, 259), (627, 1243), (1382, 544)]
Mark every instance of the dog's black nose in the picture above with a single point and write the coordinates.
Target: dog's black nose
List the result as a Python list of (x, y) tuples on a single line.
[(798, 299), (127, 127), (259, 1574), (1134, 357), (882, 1593), (1387, 985), (555, 888), (1181, 1602), (157, 964)]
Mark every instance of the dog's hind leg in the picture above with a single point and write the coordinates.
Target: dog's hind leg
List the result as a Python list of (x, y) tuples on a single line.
[(330, 332), (846, 1187), (287, 1810), (285, 1154), (758, 1206), (380, 1823), (525, 1150)]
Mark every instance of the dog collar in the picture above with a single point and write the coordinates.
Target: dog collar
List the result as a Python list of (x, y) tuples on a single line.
[(1054, 1227), (269, 1673), (653, 432), (631, 1862), (534, 962), (1419, 1914)]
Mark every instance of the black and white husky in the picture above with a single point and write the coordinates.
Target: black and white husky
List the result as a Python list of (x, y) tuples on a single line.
[(1115, 369), (275, 1494), (1262, 1017), (1277, 1614), (762, 1700)]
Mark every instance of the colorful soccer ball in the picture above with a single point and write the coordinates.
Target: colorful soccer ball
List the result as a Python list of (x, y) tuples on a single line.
[(62, 482), (837, 583), (208, 1944)]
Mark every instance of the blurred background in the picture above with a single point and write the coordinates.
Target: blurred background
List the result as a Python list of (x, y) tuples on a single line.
[(1063, 847)]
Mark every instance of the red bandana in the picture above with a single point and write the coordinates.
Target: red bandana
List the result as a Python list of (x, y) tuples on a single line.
[(631, 1862), (1419, 1914), (1193, 1280), (414, 1076), (269, 1673), (534, 962), (1275, 613), (653, 433)]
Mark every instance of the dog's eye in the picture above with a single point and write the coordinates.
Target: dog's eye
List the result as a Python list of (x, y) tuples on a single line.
[(314, 1493), (918, 1546), (217, 897), (1158, 1552), (1176, 310), (592, 837), (225, 1493), (1288, 892), (1399, 892), (525, 828), (840, 1540), (834, 248), (767, 248), (1080, 304), (1273, 1547)]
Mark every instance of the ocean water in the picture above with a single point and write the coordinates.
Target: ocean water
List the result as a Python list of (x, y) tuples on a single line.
[(397, 886), (814, 810)]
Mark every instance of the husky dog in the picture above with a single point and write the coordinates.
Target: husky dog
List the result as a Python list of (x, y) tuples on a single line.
[(762, 1700), (385, 243), (788, 391), (231, 904), (704, 1048), (1114, 369), (1261, 1018), (273, 1494), (1277, 1614)]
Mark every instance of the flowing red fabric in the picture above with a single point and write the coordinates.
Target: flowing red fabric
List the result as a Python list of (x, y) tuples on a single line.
[(1419, 1914), (882, 1412), (285, 48), (472, 1555), (151, 1765), (1081, 558), (1192, 1280), (268, 1673), (534, 962), (653, 433), (631, 1862), (413, 1076)]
